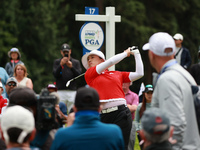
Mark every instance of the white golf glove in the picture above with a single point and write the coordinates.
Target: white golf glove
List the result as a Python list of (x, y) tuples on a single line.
[(134, 50)]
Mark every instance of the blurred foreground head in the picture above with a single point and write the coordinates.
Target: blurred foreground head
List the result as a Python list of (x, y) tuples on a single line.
[(156, 125), (17, 125), (23, 96), (87, 98)]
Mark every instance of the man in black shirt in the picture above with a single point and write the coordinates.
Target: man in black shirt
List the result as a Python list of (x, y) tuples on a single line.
[(65, 69)]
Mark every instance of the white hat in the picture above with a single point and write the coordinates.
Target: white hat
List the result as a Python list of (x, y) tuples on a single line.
[(1, 85), (17, 117), (11, 79), (14, 49), (158, 42), (93, 52), (178, 36)]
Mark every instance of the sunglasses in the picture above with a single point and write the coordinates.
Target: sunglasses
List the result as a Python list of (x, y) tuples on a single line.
[(12, 84)]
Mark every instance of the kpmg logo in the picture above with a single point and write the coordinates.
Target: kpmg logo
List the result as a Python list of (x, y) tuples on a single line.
[(91, 36)]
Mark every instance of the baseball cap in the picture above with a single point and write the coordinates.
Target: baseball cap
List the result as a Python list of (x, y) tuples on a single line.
[(93, 52), (148, 88), (11, 79), (17, 117), (14, 49), (158, 42), (87, 98), (178, 36), (155, 121), (1, 85), (51, 86), (23, 96), (65, 47)]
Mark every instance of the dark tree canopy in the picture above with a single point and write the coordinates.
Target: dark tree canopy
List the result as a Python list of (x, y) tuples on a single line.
[(39, 28)]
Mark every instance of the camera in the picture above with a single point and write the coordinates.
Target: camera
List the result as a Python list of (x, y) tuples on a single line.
[(66, 55), (47, 116)]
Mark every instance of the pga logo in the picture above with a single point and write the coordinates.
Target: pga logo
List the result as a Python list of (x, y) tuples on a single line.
[(91, 36), (91, 42)]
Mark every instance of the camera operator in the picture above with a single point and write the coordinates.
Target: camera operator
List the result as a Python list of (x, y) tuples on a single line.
[(65, 69), (26, 97)]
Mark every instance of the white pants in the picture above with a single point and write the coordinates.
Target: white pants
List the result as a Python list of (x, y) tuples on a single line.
[(68, 97)]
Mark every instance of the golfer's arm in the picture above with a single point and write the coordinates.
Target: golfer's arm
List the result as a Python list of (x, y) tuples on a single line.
[(139, 72), (110, 62)]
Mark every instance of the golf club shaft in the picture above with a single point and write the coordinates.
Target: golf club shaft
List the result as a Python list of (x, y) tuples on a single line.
[(77, 76), (68, 82)]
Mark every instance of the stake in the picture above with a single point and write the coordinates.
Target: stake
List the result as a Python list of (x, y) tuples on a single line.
[(68, 82)]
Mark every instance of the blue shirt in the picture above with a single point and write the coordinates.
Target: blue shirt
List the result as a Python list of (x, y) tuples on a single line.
[(88, 133)]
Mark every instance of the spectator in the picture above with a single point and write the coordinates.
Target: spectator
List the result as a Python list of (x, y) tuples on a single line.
[(132, 101), (20, 74), (52, 88), (172, 92), (156, 130), (146, 104), (87, 132), (3, 78), (194, 70), (10, 84), (14, 56), (18, 127), (182, 54), (3, 102), (109, 86), (65, 69), (26, 97), (62, 117)]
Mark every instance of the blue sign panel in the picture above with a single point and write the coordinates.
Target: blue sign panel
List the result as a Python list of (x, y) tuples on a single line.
[(90, 35), (91, 10)]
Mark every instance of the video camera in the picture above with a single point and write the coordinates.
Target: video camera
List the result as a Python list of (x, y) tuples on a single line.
[(47, 116)]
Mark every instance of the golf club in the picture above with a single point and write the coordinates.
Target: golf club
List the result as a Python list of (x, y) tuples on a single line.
[(68, 82)]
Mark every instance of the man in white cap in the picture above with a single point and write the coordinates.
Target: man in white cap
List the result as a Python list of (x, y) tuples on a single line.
[(18, 127), (182, 54), (172, 91)]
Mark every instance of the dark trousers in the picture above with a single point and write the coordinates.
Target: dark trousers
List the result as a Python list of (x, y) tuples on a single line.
[(121, 117)]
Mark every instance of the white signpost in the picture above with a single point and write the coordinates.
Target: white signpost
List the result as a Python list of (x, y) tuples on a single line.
[(110, 18)]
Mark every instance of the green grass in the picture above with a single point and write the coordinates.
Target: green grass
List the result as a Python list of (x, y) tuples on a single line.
[(136, 146)]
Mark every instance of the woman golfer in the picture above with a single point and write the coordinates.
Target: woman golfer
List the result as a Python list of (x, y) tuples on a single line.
[(109, 86)]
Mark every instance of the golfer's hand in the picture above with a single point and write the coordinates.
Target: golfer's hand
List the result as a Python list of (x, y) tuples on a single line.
[(128, 51)]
